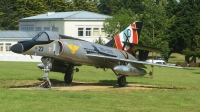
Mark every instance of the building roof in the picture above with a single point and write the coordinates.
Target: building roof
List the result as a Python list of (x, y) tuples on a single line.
[(73, 15), (17, 34)]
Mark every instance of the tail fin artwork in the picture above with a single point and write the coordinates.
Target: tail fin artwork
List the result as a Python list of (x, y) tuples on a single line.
[(128, 35)]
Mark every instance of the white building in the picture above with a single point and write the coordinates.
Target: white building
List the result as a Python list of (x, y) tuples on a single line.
[(80, 24)]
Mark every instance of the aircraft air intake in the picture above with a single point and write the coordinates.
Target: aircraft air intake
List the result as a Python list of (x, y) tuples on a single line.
[(17, 48)]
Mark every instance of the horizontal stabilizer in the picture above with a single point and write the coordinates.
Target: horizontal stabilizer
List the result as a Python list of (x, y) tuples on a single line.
[(137, 46)]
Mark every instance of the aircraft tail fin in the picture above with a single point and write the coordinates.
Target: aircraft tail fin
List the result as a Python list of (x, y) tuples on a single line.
[(128, 35)]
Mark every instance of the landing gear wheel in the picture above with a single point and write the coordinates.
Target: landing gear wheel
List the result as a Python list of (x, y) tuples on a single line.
[(68, 78), (69, 75), (122, 81)]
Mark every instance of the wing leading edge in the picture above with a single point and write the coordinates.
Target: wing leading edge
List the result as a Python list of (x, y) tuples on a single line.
[(134, 62)]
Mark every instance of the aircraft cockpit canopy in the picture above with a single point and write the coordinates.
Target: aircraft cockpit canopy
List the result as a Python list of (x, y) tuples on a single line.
[(46, 36)]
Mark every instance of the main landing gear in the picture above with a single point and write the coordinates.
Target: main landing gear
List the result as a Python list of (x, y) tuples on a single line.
[(47, 65), (69, 74), (121, 80)]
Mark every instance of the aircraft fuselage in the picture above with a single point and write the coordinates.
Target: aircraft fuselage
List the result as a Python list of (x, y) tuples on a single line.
[(75, 51)]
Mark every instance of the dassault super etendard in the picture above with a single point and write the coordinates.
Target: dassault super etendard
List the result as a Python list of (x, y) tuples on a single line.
[(62, 53)]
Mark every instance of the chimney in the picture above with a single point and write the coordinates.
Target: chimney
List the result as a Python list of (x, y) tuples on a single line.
[(50, 13)]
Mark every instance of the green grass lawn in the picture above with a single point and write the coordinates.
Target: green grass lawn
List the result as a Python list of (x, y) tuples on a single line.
[(176, 90)]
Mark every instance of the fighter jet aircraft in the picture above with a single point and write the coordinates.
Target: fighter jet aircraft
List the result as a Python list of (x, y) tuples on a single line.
[(62, 53)]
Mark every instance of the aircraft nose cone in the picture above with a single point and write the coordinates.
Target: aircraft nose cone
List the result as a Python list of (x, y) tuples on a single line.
[(17, 48)]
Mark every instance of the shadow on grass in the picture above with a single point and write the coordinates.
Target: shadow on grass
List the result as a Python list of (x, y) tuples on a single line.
[(26, 85), (196, 72), (103, 83), (59, 83), (159, 87)]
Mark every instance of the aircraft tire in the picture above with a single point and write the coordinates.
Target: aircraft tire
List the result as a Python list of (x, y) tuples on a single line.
[(68, 76), (122, 81)]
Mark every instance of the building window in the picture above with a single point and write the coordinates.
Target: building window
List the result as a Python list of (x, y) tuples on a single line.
[(80, 31), (8, 45), (103, 33), (88, 32), (38, 29), (91, 31), (46, 29), (96, 32), (1, 46), (55, 29), (27, 27)]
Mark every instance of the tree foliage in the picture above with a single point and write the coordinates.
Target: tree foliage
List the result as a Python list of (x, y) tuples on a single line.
[(55, 5), (119, 22), (87, 5), (184, 32), (13, 10), (108, 7), (111, 7), (99, 41), (154, 26)]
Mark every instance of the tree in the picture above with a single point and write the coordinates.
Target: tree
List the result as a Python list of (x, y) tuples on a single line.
[(154, 26), (99, 41), (184, 32), (56, 5), (108, 7), (135, 5), (111, 7), (27, 8), (13, 10), (6, 16), (119, 22), (87, 5)]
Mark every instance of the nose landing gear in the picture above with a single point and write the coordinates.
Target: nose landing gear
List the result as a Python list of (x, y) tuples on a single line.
[(47, 61)]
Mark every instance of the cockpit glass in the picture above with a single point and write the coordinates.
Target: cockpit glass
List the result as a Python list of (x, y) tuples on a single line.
[(34, 38), (41, 37)]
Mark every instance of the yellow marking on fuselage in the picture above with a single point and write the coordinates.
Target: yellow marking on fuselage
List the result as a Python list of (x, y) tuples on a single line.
[(73, 48)]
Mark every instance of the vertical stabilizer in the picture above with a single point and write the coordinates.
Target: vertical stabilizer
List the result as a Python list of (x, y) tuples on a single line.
[(128, 35)]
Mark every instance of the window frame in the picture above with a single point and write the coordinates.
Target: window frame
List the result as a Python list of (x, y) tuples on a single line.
[(88, 32), (80, 31), (46, 28), (29, 27)]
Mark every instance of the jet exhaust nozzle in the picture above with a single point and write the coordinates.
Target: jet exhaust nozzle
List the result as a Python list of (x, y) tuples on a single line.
[(17, 48)]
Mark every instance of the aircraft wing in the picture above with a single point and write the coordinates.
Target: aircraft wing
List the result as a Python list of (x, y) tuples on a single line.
[(135, 62)]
